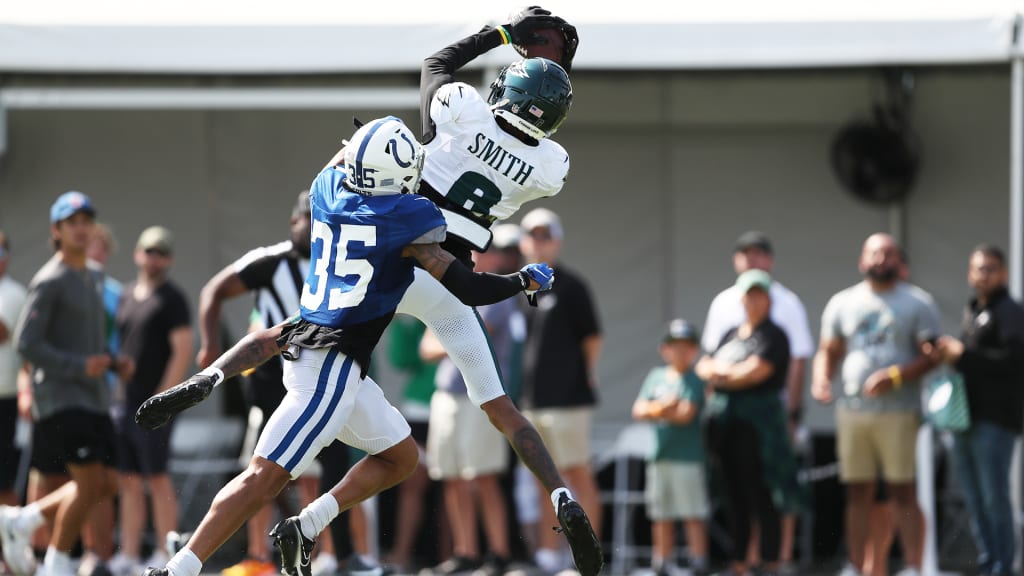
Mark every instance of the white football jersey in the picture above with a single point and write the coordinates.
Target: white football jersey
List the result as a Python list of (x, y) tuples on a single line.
[(479, 166)]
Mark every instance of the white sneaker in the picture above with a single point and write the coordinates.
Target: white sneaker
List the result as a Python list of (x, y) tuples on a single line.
[(909, 571), (324, 565), (849, 570), (61, 565), (88, 564), (157, 559), (15, 538), (121, 565)]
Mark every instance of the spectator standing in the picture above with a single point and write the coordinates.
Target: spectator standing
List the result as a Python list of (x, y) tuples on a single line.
[(154, 328), (990, 356), (12, 298), (871, 337), (751, 453), (99, 531), (563, 343), (61, 332), (672, 397), (753, 251)]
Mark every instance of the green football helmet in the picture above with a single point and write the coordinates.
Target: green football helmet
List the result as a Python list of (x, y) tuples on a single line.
[(533, 95)]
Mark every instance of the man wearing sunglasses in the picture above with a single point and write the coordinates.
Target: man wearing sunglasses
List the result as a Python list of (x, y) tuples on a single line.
[(153, 324)]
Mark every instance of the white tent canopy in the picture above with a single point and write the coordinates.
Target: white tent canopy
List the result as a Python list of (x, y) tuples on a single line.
[(321, 36)]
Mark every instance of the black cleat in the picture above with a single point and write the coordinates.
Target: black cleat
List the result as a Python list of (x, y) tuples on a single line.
[(296, 550), (586, 548), (156, 572), (159, 409)]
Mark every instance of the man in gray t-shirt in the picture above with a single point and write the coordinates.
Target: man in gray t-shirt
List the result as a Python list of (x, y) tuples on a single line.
[(62, 334), (871, 337)]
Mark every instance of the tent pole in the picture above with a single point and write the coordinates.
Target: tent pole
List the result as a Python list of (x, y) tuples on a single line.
[(1016, 248)]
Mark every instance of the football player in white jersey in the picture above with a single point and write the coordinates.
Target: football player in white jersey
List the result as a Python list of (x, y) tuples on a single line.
[(368, 231), (485, 158)]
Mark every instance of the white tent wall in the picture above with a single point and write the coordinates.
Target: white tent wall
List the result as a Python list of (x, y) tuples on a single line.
[(668, 168)]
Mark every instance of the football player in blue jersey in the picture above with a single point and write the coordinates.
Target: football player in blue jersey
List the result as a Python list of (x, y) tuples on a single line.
[(368, 232)]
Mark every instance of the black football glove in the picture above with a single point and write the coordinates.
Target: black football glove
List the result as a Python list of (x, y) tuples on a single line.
[(570, 36), (525, 22)]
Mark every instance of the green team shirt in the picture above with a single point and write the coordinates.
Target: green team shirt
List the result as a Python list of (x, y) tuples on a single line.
[(676, 442)]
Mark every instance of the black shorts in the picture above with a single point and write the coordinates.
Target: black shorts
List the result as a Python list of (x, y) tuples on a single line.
[(141, 451), (72, 437), (9, 455)]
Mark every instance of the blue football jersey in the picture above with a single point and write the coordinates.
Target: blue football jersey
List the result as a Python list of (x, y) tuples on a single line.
[(356, 270)]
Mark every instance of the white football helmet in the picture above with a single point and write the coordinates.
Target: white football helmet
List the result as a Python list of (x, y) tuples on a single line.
[(383, 157)]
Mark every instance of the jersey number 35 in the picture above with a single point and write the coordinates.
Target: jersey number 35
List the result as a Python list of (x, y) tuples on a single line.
[(340, 293)]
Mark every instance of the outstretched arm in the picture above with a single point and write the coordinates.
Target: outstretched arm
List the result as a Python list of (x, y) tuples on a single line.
[(472, 288), (251, 351), (439, 69)]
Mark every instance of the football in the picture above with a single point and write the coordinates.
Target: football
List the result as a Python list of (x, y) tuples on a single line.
[(552, 50)]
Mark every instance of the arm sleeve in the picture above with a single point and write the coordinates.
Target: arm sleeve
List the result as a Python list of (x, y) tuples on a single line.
[(439, 69), (480, 288), (31, 335)]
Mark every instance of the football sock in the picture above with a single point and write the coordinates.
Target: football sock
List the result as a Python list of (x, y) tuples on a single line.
[(57, 562), (218, 376), (185, 563), (557, 494), (315, 517)]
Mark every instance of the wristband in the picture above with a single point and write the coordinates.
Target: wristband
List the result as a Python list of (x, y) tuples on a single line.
[(525, 279), (216, 373), (896, 376), (506, 38)]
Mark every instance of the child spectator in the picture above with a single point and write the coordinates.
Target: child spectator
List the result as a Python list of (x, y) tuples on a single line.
[(672, 397)]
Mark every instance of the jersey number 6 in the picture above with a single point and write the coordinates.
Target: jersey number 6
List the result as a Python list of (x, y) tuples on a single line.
[(340, 292)]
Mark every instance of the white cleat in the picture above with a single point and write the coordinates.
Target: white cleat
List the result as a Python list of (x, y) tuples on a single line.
[(15, 538)]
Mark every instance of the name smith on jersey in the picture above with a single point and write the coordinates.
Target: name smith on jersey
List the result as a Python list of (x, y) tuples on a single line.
[(491, 153)]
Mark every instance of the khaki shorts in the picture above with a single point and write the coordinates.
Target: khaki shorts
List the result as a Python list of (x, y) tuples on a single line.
[(565, 432), (873, 444), (461, 441), (676, 491)]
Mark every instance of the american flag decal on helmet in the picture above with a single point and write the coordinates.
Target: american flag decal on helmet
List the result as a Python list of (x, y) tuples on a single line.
[(536, 111)]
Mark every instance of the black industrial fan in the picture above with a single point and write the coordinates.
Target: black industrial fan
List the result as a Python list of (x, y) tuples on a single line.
[(877, 160)]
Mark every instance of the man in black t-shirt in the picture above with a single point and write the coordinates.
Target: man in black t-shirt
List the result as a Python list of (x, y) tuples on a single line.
[(563, 341), (153, 324)]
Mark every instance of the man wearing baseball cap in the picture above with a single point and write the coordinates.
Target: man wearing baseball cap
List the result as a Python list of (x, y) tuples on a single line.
[(154, 327), (62, 333)]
